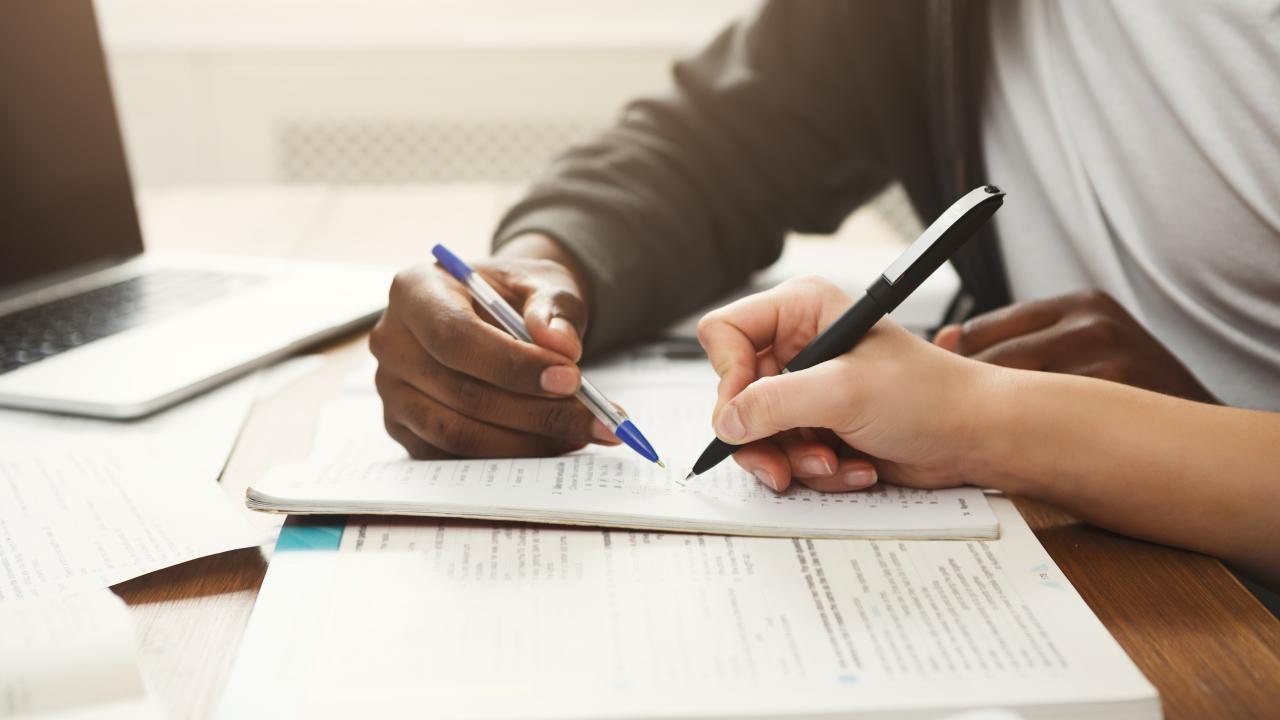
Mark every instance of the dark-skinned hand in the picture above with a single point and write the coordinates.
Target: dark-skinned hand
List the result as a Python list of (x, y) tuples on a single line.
[(454, 384), (1086, 333)]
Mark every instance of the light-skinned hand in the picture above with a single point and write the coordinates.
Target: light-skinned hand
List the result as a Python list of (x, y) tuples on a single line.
[(895, 406)]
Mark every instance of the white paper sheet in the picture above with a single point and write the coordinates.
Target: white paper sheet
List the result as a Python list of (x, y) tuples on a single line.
[(672, 403), (88, 503), (446, 619), (70, 657), (74, 519)]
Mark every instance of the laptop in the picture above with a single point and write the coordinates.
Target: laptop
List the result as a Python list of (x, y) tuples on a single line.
[(91, 324)]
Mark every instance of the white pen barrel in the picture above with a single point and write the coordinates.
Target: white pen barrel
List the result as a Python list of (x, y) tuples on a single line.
[(501, 310), (600, 406)]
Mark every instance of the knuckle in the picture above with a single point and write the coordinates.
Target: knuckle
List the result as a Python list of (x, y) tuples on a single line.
[(378, 339), (1095, 298), (404, 282), (451, 436), (708, 323), (974, 325), (469, 395), (447, 340), (1098, 330), (414, 415), (560, 418), (568, 304), (704, 327), (761, 406), (512, 370), (382, 382), (813, 286)]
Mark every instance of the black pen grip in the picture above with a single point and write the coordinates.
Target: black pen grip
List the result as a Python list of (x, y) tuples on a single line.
[(837, 339), (841, 335), (938, 242)]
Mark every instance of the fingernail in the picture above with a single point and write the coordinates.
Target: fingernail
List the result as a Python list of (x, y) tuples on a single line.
[(602, 433), (815, 465), (560, 380), (763, 476), (858, 478), (729, 426)]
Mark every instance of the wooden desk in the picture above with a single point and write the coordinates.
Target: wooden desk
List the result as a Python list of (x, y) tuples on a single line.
[(1197, 634)]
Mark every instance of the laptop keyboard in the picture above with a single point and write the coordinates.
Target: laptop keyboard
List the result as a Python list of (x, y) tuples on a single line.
[(35, 333)]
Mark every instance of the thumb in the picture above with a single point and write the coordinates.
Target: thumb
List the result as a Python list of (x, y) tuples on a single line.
[(551, 304), (808, 398)]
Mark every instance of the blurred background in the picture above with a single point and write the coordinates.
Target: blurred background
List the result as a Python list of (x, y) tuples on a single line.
[(381, 91), (388, 92)]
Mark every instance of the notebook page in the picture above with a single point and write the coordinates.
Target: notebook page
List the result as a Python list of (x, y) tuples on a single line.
[(672, 402), (527, 622)]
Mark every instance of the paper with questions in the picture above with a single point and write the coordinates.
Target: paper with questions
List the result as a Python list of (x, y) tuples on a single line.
[(79, 518), (612, 487), (70, 657), (521, 621), (87, 503)]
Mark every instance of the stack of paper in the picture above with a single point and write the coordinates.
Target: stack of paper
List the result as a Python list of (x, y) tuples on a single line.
[(408, 619)]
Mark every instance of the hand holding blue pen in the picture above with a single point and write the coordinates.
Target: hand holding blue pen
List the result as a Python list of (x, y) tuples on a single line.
[(600, 406)]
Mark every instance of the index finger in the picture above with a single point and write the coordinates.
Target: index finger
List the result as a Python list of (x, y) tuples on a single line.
[(979, 333), (786, 318)]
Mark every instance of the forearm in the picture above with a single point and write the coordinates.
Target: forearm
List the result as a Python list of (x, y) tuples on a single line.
[(1197, 476), (764, 131)]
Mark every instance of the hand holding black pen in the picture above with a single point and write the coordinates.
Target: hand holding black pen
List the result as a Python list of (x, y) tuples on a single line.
[(934, 247)]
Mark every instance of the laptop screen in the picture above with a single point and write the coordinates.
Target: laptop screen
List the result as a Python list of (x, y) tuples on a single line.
[(65, 198)]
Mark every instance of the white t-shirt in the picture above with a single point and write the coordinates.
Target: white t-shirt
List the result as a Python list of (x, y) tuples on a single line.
[(1139, 144)]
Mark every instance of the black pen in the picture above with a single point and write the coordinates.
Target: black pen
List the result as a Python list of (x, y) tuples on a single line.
[(935, 246)]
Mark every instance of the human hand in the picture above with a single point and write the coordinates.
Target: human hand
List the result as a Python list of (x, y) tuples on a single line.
[(899, 407), (1086, 333), (454, 384)]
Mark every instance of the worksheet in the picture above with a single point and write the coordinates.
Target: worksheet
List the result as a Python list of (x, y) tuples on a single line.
[(602, 486), (71, 657), (75, 518), (87, 503), (450, 619)]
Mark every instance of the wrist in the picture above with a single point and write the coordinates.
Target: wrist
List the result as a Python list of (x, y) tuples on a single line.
[(998, 430), (540, 246)]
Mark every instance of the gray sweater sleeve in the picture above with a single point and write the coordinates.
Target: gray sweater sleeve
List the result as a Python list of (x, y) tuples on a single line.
[(779, 124)]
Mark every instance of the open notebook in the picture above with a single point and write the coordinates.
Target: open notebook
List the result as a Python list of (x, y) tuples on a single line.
[(611, 487)]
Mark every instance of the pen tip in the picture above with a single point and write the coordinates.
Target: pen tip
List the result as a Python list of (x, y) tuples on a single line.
[(661, 464), (690, 475)]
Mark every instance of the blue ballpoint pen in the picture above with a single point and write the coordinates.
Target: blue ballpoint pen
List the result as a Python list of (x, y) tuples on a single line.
[(613, 418)]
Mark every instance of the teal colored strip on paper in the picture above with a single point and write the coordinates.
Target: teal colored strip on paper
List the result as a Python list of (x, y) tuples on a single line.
[(309, 534)]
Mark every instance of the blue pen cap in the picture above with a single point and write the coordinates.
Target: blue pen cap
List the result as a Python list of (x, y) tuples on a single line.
[(452, 263), (630, 435)]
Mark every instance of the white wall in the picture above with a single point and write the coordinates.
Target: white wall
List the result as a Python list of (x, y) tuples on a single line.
[(378, 91)]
